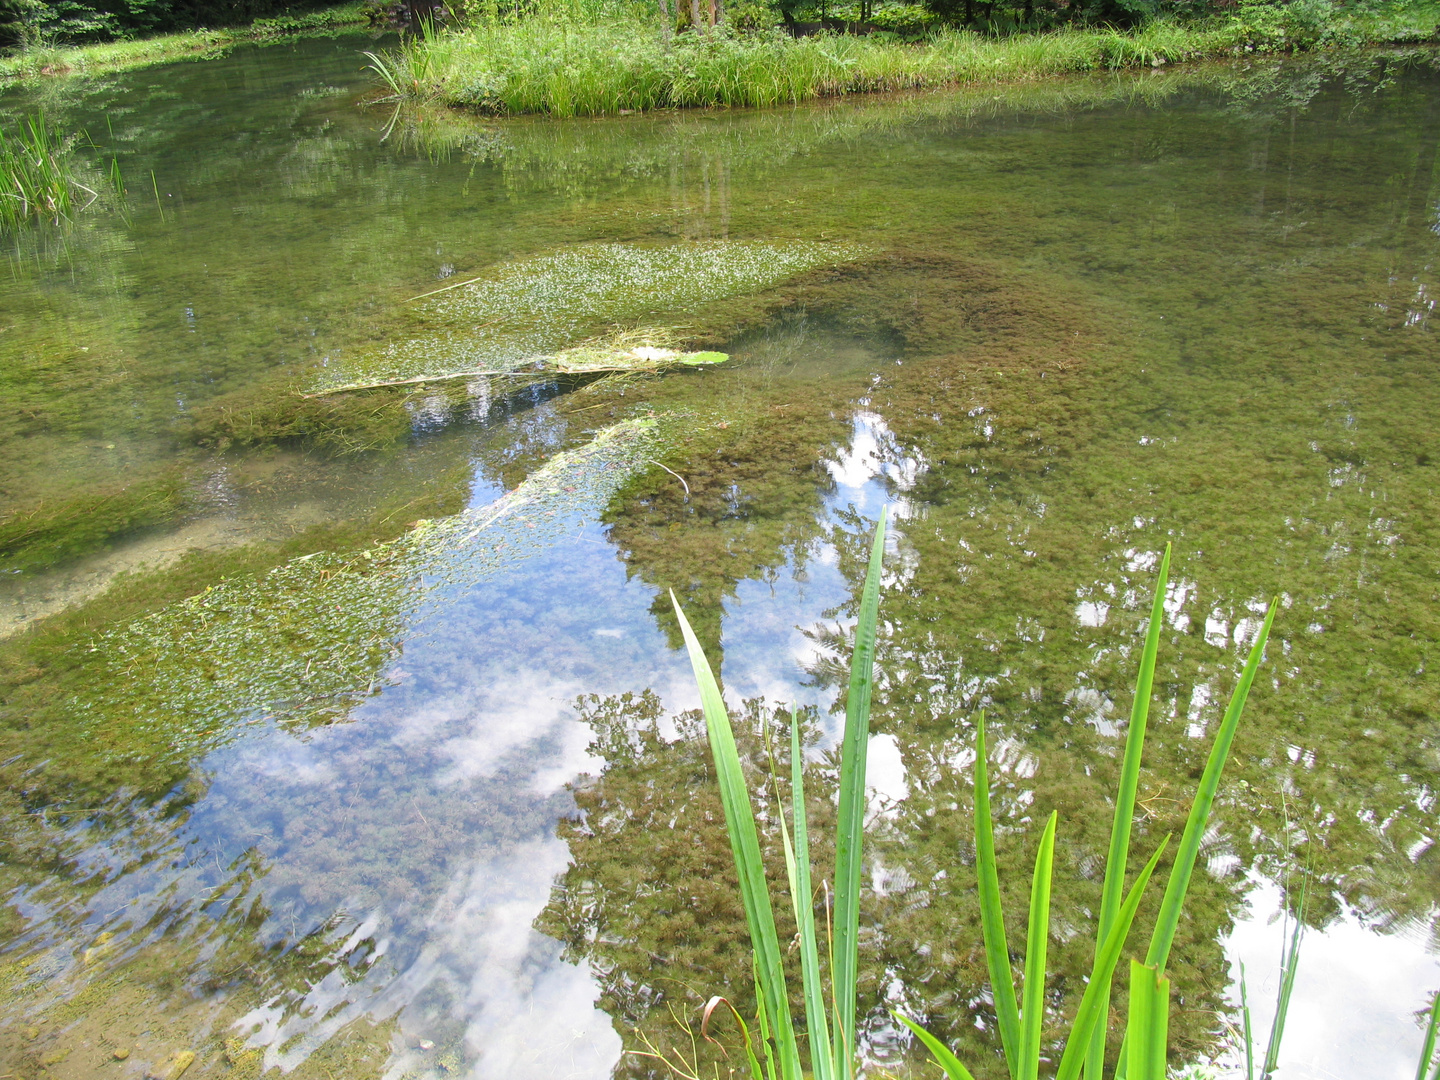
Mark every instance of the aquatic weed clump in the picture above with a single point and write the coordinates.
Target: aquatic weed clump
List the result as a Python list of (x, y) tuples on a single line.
[(38, 180), (520, 311), (306, 641)]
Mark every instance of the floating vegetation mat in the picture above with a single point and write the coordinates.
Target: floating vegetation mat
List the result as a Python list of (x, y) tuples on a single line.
[(519, 312), (305, 642)]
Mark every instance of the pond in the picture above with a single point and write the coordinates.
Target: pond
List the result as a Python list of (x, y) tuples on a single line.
[(351, 734)]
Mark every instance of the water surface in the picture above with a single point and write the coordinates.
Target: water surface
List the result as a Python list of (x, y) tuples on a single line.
[(399, 800)]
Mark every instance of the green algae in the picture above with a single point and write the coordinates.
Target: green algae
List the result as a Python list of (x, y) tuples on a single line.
[(305, 641), (45, 534), (275, 414), (522, 311)]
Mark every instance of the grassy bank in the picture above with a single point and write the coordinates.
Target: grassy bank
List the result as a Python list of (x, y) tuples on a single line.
[(101, 58), (565, 68)]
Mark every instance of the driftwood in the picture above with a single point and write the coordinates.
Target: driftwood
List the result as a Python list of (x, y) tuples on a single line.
[(644, 360)]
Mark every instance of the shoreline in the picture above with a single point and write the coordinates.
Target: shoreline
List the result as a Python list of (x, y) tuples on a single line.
[(40, 63), (563, 69)]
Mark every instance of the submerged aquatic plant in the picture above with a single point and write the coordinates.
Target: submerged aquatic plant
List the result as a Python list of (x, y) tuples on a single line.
[(38, 180), (518, 312), (1020, 1016), (309, 638)]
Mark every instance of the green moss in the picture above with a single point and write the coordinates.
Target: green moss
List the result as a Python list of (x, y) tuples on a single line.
[(43, 669)]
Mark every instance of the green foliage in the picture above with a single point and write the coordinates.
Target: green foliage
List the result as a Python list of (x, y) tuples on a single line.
[(1148, 1023), (1143, 1051), (600, 65), (850, 833), (43, 26), (773, 1000), (1427, 1052)]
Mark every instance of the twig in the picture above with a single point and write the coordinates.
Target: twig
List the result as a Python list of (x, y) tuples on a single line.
[(445, 288), (675, 474), (467, 375)]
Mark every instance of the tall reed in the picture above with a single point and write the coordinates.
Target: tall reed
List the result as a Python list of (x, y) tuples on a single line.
[(38, 180), (1019, 1017)]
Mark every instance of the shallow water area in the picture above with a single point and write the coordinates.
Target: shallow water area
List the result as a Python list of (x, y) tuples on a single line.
[(377, 758)]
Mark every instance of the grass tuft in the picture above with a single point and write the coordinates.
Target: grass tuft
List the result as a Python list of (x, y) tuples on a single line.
[(38, 180), (1144, 1045)]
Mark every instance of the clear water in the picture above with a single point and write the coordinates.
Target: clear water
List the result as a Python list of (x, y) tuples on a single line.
[(431, 805)]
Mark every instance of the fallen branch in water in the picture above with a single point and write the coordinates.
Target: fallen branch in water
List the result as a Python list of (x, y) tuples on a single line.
[(641, 359)]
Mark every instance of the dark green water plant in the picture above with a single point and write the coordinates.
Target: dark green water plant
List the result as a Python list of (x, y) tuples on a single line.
[(1020, 1017)]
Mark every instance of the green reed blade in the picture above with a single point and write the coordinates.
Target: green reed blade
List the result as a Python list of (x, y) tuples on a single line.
[(851, 822), (755, 1071), (1125, 804), (1428, 1052), (745, 848), (1032, 1012), (761, 1019), (1249, 1036), (820, 1061), (1147, 1028), (992, 918), (1199, 819), (938, 1050), (1095, 1004), (1289, 965)]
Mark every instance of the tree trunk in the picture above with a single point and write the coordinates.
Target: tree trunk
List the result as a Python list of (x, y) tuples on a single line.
[(695, 14)]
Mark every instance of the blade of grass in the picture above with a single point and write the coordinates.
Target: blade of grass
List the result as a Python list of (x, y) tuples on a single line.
[(1089, 1012), (761, 1019), (1032, 1012), (1245, 1019), (1125, 804), (938, 1050), (1095, 1003), (1427, 1054), (710, 1006), (851, 821), (798, 863), (745, 848), (1199, 819), (1147, 1027), (1289, 965), (992, 918)]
